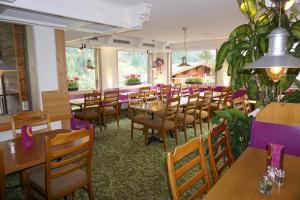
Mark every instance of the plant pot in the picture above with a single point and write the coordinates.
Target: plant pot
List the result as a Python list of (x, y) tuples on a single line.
[(73, 89), (193, 82), (133, 83)]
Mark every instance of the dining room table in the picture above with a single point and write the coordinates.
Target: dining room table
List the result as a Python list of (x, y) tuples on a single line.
[(26, 157), (240, 181)]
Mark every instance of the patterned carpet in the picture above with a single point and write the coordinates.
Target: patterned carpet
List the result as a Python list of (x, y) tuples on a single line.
[(123, 168)]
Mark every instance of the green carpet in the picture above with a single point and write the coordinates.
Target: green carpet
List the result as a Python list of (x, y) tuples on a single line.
[(123, 168)]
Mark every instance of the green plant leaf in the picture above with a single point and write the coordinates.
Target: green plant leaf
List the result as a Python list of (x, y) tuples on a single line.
[(295, 29), (244, 29), (222, 55)]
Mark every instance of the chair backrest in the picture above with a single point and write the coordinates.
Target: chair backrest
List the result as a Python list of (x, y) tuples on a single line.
[(2, 176), (111, 97), (176, 89), (75, 152), (201, 174), (133, 99), (195, 88), (191, 107), (185, 90), (220, 153), (30, 118), (238, 103), (165, 91), (206, 100)]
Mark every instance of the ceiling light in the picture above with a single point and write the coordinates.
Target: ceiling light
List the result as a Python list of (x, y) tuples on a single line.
[(183, 59), (83, 46), (277, 60), (89, 65)]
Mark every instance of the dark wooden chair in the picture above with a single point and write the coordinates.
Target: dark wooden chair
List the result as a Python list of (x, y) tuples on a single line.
[(189, 114), (220, 153), (38, 119), (165, 123), (91, 108), (71, 172), (198, 175)]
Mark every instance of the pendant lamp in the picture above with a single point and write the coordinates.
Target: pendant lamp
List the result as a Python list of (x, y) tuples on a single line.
[(277, 60), (183, 59), (89, 62)]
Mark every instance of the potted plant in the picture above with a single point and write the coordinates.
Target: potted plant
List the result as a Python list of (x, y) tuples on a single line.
[(133, 79), (73, 83), (249, 42), (194, 80)]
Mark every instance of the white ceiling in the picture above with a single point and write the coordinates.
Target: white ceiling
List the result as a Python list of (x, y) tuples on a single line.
[(205, 20)]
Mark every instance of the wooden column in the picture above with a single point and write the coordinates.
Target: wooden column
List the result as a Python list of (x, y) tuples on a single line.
[(61, 67), (61, 60)]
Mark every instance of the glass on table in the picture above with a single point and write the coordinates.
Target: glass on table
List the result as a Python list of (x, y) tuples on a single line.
[(265, 184)]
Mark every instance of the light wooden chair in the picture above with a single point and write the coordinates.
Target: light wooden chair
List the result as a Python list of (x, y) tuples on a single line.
[(39, 120), (194, 145), (203, 110), (152, 95), (195, 88), (184, 91), (63, 177), (165, 123), (222, 101), (165, 92), (110, 105), (136, 117), (91, 108), (176, 89), (144, 93), (189, 114), (220, 153), (2, 176)]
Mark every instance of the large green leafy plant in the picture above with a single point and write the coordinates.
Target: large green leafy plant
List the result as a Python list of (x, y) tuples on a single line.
[(249, 42)]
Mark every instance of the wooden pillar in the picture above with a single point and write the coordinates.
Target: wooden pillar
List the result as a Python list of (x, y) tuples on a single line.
[(61, 67), (61, 60)]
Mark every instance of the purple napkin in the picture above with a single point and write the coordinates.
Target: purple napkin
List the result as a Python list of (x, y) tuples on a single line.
[(275, 155), (27, 136)]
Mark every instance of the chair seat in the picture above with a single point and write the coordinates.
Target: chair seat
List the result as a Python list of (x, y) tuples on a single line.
[(109, 110), (156, 123), (88, 115), (189, 118), (140, 119), (61, 185), (201, 114)]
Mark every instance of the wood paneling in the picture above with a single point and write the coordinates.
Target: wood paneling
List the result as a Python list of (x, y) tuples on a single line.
[(280, 113), (61, 60)]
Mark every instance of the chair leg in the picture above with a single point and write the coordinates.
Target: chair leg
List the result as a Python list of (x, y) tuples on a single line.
[(104, 121), (132, 129), (164, 140), (118, 120), (208, 124), (184, 130), (200, 122), (195, 128), (146, 135), (90, 191)]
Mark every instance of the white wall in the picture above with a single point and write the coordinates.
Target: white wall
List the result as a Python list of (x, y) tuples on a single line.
[(109, 67)]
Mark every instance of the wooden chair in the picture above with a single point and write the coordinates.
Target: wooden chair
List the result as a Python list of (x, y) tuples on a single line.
[(176, 89), (91, 108), (134, 116), (30, 118), (2, 176), (165, 92), (152, 95), (110, 105), (184, 91), (222, 100), (165, 123), (189, 114), (203, 110), (238, 103), (220, 153), (195, 88), (63, 177), (194, 145), (144, 93)]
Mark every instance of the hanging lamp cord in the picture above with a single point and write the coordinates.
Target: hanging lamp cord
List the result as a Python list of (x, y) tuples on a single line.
[(184, 40)]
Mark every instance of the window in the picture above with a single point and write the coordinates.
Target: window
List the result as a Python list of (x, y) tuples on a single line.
[(77, 72), (202, 66), (132, 62)]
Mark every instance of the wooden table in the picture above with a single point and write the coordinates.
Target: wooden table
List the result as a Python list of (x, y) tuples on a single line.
[(241, 180), (25, 158), (156, 106)]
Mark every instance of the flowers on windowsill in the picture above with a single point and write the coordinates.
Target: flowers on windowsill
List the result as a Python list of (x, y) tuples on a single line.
[(73, 83), (196, 78), (133, 79)]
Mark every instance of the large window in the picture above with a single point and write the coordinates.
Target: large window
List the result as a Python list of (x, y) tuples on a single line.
[(77, 71), (202, 66), (132, 63)]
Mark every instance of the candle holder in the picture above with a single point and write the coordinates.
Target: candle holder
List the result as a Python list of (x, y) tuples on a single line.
[(265, 184)]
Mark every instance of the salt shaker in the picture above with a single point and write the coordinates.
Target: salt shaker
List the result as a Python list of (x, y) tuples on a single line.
[(11, 145), (279, 177)]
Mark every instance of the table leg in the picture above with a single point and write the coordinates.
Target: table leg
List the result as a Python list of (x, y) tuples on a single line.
[(153, 138)]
